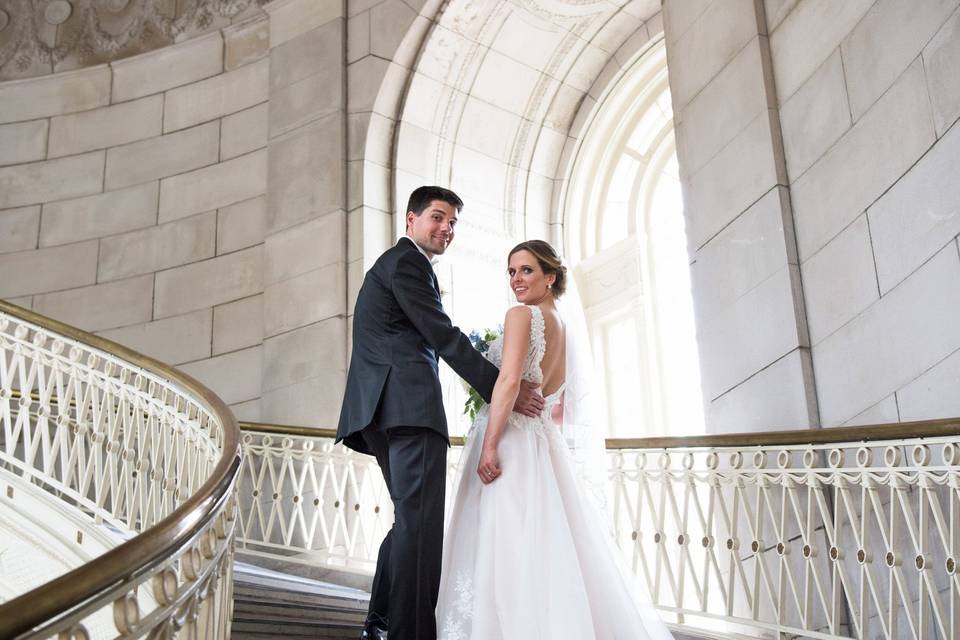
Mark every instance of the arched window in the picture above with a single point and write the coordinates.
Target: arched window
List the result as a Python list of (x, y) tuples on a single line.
[(624, 233)]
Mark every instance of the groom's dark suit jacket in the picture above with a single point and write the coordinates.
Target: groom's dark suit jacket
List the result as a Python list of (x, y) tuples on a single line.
[(400, 330)]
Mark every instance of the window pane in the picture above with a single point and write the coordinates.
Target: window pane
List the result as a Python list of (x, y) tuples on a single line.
[(648, 128), (623, 378), (665, 103), (679, 369), (623, 178), (614, 219), (645, 334)]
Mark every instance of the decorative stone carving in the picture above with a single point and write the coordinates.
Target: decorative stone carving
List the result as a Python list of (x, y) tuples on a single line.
[(114, 5), (46, 36), (57, 12)]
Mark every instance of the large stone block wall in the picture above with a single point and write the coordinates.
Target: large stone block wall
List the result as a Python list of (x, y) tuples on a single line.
[(215, 203), (382, 42), (875, 200), (192, 202), (133, 203), (754, 347), (818, 139), (304, 272)]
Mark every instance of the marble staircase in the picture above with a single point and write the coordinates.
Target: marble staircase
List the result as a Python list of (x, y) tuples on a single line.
[(271, 604)]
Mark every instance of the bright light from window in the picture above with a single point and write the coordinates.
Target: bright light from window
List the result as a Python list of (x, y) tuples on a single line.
[(624, 224), (623, 375)]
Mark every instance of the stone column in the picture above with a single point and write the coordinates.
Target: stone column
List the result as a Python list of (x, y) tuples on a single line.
[(750, 313), (383, 40), (304, 357)]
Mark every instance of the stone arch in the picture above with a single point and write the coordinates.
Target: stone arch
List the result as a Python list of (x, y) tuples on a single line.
[(624, 236), (489, 99), (645, 72), (485, 97)]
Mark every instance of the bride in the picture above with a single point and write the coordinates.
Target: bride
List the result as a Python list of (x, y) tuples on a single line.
[(526, 556)]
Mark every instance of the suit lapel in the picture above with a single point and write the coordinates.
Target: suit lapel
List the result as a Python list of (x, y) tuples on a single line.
[(433, 275)]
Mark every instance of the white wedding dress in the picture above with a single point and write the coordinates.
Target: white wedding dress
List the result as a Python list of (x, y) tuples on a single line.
[(527, 556)]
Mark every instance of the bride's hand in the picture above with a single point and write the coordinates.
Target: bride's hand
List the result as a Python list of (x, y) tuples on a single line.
[(489, 467)]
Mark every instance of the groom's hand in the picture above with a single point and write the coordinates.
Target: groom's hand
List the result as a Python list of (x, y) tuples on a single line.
[(529, 400)]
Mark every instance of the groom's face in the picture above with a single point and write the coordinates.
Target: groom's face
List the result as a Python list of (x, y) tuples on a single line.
[(432, 230)]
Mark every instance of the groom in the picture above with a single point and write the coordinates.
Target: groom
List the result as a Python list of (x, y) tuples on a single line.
[(393, 409)]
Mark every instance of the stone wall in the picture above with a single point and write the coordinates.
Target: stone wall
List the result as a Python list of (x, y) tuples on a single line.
[(215, 203), (132, 203), (304, 271), (819, 159), (751, 322), (872, 151)]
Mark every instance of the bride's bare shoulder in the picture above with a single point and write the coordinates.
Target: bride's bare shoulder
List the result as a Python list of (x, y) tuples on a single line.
[(518, 317)]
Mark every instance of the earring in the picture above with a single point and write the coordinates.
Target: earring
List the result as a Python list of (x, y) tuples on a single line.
[(549, 286)]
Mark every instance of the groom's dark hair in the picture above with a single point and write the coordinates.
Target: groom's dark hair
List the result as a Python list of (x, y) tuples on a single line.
[(421, 198)]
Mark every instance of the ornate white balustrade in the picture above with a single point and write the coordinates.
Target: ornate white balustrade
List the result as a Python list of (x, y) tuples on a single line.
[(828, 540), (307, 500), (832, 533), (133, 446)]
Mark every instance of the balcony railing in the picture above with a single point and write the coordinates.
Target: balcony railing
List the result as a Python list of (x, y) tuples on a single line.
[(132, 445), (827, 533)]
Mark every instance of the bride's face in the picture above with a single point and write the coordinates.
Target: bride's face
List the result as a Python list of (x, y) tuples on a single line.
[(527, 279)]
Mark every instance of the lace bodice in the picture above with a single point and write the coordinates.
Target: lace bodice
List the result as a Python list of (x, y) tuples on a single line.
[(538, 346), (531, 364)]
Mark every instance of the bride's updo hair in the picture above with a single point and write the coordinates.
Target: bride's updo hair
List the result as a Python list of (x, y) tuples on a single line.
[(548, 260)]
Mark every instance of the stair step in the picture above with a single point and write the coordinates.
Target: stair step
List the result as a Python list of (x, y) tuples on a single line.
[(313, 634), (280, 624), (253, 629), (279, 596), (280, 613), (298, 599), (299, 565), (296, 583), (352, 634), (272, 604)]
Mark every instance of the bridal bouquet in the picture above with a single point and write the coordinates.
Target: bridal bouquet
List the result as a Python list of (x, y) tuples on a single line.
[(481, 342)]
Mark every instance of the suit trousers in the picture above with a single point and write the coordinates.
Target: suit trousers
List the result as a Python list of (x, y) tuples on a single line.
[(406, 585)]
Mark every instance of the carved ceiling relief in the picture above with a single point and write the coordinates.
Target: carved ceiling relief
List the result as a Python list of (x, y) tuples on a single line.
[(39, 37), (454, 53)]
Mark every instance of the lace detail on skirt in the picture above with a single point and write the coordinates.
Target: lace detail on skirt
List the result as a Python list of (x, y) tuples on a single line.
[(462, 610)]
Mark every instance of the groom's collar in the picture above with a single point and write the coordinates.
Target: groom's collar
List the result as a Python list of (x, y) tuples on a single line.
[(432, 260)]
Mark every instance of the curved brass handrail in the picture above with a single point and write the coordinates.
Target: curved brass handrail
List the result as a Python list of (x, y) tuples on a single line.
[(825, 435), (143, 553), (892, 431)]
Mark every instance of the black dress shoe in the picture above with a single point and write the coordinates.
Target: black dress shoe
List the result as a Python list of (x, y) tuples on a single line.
[(373, 632)]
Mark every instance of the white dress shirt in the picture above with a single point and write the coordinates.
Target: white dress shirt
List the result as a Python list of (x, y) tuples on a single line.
[(432, 261)]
